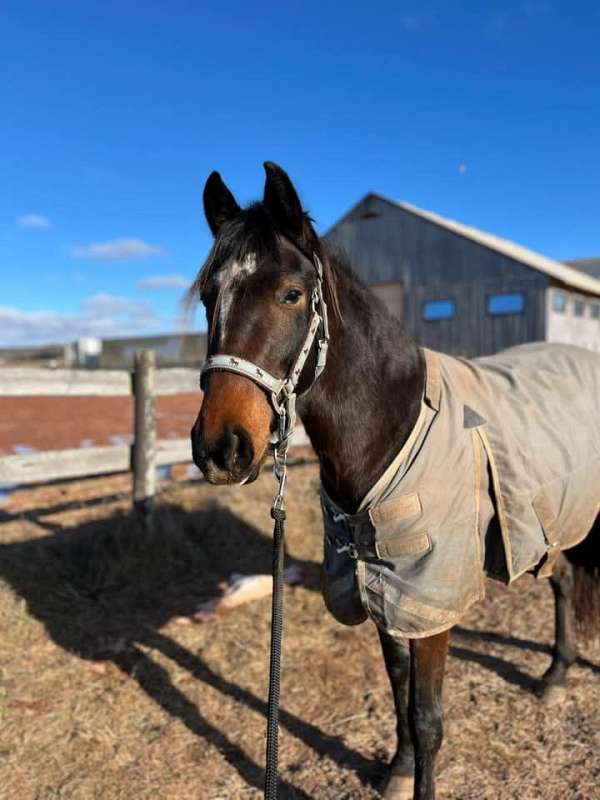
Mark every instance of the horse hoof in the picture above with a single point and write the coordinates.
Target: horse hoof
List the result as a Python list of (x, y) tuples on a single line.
[(399, 787), (554, 695)]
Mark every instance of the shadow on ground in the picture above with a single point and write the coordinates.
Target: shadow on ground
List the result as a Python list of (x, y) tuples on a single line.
[(104, 589), (502, 666)]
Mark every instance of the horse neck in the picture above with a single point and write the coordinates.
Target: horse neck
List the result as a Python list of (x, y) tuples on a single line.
[(365, 404)]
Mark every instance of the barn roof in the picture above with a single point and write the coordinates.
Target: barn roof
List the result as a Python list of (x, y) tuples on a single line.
[(591, 266), (568, 275)]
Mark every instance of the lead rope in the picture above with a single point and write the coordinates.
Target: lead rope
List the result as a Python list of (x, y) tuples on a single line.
[(278, 515), (271, 781)]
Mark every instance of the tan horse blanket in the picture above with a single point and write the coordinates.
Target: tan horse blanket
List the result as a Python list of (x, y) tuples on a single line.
[(500, 473)]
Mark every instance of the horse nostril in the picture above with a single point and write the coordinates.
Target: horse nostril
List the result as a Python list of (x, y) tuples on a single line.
[(198, 448), (236, 451)]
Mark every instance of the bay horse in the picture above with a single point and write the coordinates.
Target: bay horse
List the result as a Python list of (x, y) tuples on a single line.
[(256, 286)]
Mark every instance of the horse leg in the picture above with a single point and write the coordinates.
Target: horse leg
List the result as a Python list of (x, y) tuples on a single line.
[(563, 653), (400, 780), (427, 666)]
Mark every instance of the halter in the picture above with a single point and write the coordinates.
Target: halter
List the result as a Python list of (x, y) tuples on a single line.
[(282, 391)]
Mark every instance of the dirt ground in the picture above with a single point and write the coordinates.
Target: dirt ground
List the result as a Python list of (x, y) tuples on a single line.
[(107, 690), (59, 423)]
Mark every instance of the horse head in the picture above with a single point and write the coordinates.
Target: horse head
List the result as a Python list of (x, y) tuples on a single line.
[(258, 287)]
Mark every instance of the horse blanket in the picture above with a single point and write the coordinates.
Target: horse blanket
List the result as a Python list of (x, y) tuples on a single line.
[(500, 473)]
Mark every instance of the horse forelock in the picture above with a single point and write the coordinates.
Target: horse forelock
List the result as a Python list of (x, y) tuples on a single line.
[(248, 239), (251, 233)]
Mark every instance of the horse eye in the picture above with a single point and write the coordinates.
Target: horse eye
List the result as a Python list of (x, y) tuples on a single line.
[(291, 297)]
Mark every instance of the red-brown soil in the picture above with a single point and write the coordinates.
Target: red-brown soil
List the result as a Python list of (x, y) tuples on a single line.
[(59, 423)]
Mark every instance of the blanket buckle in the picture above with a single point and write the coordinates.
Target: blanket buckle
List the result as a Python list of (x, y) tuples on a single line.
[(346, 547)]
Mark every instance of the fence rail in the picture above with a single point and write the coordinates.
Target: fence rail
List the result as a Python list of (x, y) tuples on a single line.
[(146, 453), (22, 382), (145, 383)]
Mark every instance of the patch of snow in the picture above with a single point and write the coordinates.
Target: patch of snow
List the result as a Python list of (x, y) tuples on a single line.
[(243, 589), (122, 439), (23, 449)]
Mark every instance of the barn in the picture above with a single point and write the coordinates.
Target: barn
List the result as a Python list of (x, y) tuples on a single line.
[(464, 291)]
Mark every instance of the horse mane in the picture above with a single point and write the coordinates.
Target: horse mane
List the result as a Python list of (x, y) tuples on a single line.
[(343, 275)]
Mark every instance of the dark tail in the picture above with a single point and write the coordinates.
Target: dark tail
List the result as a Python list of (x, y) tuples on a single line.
[(585, 558)]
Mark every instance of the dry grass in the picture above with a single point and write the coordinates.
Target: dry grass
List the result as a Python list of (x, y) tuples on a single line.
[(107, 691)]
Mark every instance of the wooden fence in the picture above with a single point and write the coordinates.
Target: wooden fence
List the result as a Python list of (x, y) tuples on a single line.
[(146, 453)]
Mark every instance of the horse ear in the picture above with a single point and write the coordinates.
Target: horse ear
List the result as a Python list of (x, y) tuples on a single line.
[(219, 204), (282, 201)]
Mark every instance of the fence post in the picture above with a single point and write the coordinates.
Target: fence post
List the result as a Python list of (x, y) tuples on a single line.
[(144, 445)]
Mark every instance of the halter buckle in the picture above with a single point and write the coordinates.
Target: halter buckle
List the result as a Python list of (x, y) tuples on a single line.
[(322, 347)]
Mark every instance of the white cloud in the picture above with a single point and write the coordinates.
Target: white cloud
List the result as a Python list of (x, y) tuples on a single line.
[(462, 169), (116, 250), (102, 315), (103, 304), (34, 221), (163, 282)]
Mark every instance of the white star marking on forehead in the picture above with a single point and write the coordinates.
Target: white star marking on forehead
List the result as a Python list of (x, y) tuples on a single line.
[(230, 273)]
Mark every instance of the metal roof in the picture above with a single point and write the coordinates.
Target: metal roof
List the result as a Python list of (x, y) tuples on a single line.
[(568, 275)]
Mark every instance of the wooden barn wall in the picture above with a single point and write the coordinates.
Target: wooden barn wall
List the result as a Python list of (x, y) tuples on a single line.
[(387, 243), (474, 332)]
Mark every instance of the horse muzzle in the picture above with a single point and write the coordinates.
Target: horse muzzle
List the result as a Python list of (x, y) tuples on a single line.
[(229, 460)]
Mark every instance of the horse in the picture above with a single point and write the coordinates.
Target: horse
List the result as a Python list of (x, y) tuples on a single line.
[(260, 286)]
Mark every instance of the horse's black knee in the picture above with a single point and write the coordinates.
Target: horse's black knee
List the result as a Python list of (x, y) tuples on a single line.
[(427, 729), (399, 671)]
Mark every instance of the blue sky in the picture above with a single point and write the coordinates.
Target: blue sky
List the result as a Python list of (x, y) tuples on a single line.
[(113, 115)]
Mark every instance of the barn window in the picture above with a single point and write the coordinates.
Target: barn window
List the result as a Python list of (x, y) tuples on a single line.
[(559, 302), (579, 307), (506, 303), (595, 311), (439, 309)]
